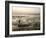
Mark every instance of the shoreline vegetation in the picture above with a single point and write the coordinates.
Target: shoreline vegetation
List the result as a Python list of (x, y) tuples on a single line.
[(25, 23)]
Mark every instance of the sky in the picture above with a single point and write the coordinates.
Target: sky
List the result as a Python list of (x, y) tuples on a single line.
[(21, 10)]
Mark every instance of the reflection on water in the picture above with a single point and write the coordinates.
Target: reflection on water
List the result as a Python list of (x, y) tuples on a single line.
[(24, 23)]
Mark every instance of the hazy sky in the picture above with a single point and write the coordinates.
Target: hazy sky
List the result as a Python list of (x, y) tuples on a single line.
[(25, 10)]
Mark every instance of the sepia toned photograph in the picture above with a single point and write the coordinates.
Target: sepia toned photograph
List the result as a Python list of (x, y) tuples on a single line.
[(24, 18)]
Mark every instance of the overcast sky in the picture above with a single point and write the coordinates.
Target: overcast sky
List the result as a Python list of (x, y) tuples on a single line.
[(19, 10)]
